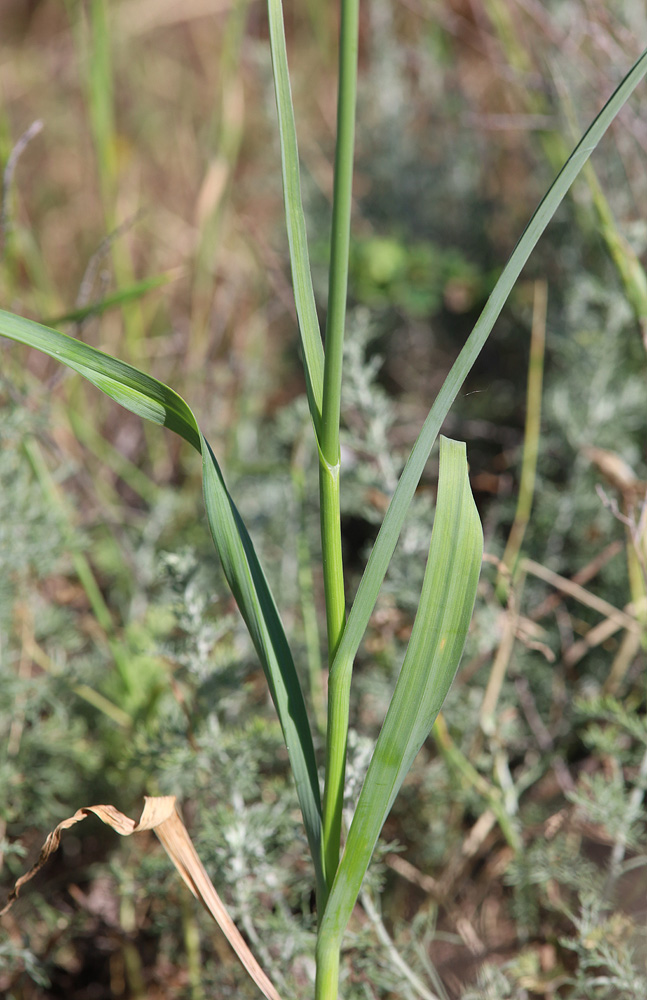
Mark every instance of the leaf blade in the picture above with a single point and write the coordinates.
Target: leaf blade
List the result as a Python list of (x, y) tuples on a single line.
[(295, 218), (129, 293), (155, 401), (430, 664), (389, 532)]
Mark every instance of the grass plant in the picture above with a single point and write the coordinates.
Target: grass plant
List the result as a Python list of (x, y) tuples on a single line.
[(96, 66), (447, 597)]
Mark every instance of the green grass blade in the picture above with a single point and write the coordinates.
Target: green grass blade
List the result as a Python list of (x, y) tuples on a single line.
[(129, 387), (394, 519), (254, 598), (430, 664), (119, 298), (295, 219), (100, 79), (153, 400)]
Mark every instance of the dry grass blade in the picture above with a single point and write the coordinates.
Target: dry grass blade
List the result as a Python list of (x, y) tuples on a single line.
[(583, 575), (138, 17), (161, 816), (561, 583)]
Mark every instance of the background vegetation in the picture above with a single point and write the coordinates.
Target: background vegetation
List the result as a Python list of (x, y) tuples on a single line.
[(148, 211)]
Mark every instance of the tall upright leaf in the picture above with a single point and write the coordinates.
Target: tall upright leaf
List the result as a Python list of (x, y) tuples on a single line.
[(313, 355), (430, 664), (388, 535)]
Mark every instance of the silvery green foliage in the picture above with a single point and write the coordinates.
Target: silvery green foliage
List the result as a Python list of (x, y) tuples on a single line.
[(14, 959), (202, 630), (374, 462), (369, 414), (31, 540), (493, 984), (360, 749), (610, 949), (39, 731)]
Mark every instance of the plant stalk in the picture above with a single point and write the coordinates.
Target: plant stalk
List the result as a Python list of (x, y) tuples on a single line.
[(329, 454), (337, 723), (340, 235), (531, 437), (327, 980)]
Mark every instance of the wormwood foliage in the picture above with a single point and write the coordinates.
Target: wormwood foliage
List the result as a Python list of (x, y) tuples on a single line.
[(448, 588)]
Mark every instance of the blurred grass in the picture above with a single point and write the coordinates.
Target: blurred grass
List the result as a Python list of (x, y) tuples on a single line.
[(158, 155)]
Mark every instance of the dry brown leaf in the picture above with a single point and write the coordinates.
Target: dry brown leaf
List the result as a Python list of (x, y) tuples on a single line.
[(161, 816), (614, 468), (623, 619)]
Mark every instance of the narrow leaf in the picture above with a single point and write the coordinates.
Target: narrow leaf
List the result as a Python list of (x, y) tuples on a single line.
[(431, 661), (295, 218), (155, 401), (131, 293), (388, 535)]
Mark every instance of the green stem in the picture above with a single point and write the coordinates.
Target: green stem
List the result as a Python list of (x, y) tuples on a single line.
[(340, 237), (531, 437), (327, 981), (329, 441), (459, 762), (337, 725)]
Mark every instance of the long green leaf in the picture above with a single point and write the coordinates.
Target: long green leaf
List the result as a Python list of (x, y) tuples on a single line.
[(430, 664), (155, 401), (295, 219), (119, 298), (388, 535)]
